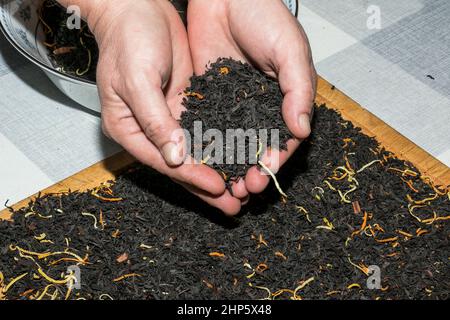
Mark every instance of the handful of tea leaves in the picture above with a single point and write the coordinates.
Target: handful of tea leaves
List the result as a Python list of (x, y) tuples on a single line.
[(237, 110)]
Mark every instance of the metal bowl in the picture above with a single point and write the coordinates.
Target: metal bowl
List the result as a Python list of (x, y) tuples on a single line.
[(19, 22)]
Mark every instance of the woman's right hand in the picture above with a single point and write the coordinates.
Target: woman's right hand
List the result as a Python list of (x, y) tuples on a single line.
[(144, 64)]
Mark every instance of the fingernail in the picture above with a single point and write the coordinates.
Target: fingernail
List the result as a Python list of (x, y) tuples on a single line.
[(173, 154), (305, 125)]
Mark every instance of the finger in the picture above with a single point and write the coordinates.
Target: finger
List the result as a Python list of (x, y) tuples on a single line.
[(283, 52), (182, 68), (129, 135), (298, 85), (148, 104), (245, 201), (257, 180), (228, 204), (239, 189)]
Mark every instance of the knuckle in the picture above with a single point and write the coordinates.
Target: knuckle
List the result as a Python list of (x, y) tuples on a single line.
[(154, 128), (105, 130), (133, 82), (109, 126), (134, 79), (149, 70), (108, 131), (308, 91), (106, 126)]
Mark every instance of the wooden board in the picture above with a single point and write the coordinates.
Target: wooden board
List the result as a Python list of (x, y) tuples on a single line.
[(350, 110)]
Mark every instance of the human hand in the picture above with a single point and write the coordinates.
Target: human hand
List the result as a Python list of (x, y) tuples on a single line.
[(268, 36), (144, 64)]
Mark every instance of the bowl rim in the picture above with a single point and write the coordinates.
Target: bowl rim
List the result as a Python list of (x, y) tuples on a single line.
[(297, 7), (42, 65)]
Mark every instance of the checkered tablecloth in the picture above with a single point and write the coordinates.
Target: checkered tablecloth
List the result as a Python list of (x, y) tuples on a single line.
[(392, 57)]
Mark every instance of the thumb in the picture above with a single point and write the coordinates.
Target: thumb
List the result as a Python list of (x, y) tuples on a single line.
[(298, 87), (298, 81), (150, 108)]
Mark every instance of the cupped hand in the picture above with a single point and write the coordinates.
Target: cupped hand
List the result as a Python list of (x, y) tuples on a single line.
[(144, 64), (266, 35)]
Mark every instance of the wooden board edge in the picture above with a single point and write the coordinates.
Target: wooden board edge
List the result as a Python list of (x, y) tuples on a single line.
[(86, 179)]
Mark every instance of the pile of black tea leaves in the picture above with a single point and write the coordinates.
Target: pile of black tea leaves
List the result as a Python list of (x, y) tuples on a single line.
[(354, 212), (232, 96), (72, 50)]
